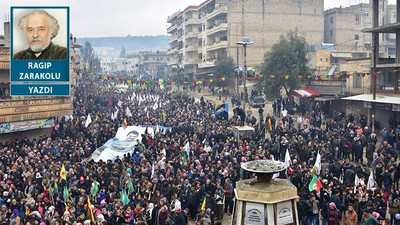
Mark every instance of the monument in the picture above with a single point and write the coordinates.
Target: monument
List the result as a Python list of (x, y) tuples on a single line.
[(264, 200)]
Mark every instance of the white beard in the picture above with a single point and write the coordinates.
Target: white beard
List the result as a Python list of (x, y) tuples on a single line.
[(38, 47)]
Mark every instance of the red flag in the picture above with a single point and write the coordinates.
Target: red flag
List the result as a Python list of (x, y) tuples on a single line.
[(14, 166), (333, 76)]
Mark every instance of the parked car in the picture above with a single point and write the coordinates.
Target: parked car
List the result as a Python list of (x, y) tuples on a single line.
[(257, 101)]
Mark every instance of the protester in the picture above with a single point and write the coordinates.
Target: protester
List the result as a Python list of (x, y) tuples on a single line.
[(160, 181)]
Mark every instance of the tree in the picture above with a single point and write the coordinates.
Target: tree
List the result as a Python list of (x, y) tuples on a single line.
[(123, 52), (287, 57), (89, 57), (224, 67)]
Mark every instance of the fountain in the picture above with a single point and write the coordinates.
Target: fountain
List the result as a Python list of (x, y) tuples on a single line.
[(264, 200)]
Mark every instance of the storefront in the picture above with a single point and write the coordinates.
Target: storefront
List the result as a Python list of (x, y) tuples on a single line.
[(381, 108)]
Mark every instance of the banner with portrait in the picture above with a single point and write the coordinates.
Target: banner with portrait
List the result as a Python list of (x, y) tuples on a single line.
[(221, 111), (123, 143)]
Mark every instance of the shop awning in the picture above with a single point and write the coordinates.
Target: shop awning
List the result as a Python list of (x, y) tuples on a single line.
[(379, 98), (324, 98), (305, 93), (341, 54)]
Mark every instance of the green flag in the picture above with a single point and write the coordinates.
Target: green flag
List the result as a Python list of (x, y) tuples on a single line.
[(131, 188), (55, 187), (184, 160), (50, 190), (66, 193), (315, 184), (124, 197), (95, 188)]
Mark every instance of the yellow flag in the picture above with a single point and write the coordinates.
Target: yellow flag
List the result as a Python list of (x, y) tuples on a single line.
[(129, 81), (203, 206), (223, 78), (286, 77), (272, 76), (63, 173), (97, 118)]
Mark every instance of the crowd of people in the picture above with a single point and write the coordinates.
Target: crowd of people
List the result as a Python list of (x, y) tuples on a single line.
[(165, 185)]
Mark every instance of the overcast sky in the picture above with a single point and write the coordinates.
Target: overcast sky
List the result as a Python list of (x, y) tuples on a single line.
[(97, 18)]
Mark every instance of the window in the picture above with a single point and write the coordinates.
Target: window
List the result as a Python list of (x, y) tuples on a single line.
[(320, 59), (356, 37), (331, 33), (366, 14), (357, 19), (332, 19), (326, 59), (357, 81)]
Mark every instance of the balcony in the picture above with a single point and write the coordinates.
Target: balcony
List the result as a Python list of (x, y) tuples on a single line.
[(191, 21), (172, 51), (207, 63), (223, 27), (217, 11), (217, 45), (191, 61), (29, 109), (191, 35), (171, 28), (171, 40), (191, 48)]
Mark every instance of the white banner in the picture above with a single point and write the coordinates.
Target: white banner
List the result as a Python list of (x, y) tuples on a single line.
[(124, 142)]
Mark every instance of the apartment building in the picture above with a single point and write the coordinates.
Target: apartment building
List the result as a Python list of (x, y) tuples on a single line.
[(222, 23), (343, 27)]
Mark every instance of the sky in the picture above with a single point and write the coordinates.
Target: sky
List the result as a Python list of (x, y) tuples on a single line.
[(105, 18)]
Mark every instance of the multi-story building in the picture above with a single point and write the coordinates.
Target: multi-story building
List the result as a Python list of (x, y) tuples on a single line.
[(152, 65), (221, 23), (382, 100), (343, 27)]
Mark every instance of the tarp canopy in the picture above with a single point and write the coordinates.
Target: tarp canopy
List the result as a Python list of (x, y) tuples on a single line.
[(379, 98), (305, 93)]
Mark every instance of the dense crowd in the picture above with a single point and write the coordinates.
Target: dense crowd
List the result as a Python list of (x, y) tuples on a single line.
[(200, 186)]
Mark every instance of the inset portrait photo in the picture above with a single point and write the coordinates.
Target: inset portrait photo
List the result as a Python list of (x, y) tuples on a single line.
[(40, 33)]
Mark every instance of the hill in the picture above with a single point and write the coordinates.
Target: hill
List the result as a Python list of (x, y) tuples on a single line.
[(131, 43)]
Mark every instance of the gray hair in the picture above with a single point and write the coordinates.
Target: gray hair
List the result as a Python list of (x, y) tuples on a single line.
[(54, 26)]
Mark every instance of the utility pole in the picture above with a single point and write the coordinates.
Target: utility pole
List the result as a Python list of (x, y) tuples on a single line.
[(245, 41)]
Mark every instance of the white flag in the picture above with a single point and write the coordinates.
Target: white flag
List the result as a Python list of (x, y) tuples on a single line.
[(318, 163), (116, 114), (152, 171), (288, 161), (157, 129), (66, 118), (187, 148), (371, 181), (88, 121), (112, 117), (155, 106), (133, 96), (357, 181), (119, 103), (128, 112)]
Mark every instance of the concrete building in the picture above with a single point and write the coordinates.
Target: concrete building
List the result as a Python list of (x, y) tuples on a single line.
[(343, 27), (383, 100), (221, 23), (152, 65)]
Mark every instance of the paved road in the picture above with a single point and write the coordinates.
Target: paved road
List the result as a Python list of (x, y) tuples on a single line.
[(208, 96)]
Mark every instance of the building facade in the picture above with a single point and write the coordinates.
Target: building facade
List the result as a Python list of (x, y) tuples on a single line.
[(219, 24), (343, 27)]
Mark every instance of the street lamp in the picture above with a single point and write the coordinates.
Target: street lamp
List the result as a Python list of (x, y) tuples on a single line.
[(245, 41)]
